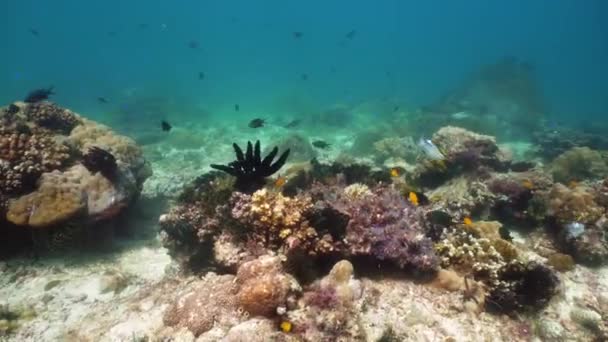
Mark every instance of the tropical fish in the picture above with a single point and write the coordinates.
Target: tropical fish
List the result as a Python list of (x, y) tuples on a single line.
[(321, 144), (528, 184), (165, 126), (351, 34), (38, 95), (193, 44), (257, 123), (102, 100), (286, 326), (201, 75), (430, 150), (413, 198), (467, 221), (280, 181), (394, 172), (304, 77), (297, 34), (237, 107)]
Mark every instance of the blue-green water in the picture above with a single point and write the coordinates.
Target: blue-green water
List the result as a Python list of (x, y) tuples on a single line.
[(409, 52)]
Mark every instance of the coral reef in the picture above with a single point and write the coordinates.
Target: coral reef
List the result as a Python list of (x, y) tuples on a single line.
[(211, 302), (522, 286), (44, 182), (250, 169), (578, 164), (264, 289)]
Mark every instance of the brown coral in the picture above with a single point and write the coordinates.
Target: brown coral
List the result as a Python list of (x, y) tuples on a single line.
[(52, 117), (24, 157), (579, 163), (211, 301), (568, 205), (263, 286)]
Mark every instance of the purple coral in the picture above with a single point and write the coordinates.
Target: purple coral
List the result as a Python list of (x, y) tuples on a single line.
[(383, 225)]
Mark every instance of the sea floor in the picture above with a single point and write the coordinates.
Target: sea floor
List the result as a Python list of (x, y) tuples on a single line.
[(121, 293)]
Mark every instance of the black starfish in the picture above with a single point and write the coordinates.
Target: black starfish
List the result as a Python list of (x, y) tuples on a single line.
[(250, 169)]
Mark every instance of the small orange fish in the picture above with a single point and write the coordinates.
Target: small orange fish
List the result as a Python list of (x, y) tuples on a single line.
[(527, 184), (394, 172), (413, 198), (467, 221), (280, 181)]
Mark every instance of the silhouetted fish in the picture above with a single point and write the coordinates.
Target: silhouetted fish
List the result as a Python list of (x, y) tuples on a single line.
[(351, 34), (321, 144), (297, 35), (102, 100), (38, 95), (257, 123), (396, 108), (34, 32), (165, 126), (237, 107), (304, 77), (193, 44), (201, 75), (293, 123)]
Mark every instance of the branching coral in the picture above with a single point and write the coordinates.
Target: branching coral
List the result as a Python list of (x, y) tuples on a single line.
[(276, 220), (250, 169)]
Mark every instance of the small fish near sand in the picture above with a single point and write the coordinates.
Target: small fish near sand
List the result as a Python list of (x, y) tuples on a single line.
[(320, 144), (165, 126), (38, 95), (257, 123)]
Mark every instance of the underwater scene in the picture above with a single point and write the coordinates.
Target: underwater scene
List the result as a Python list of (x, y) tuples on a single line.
[(384, 171)]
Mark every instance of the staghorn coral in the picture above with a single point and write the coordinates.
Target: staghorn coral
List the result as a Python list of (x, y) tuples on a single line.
[(52, 117), (24, 157), (578, 163)]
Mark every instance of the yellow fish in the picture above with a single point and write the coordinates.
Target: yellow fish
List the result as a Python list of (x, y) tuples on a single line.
[(527, 184), (280, 181), (467, 221), (394, 172), (413, 198), (286, 326)]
